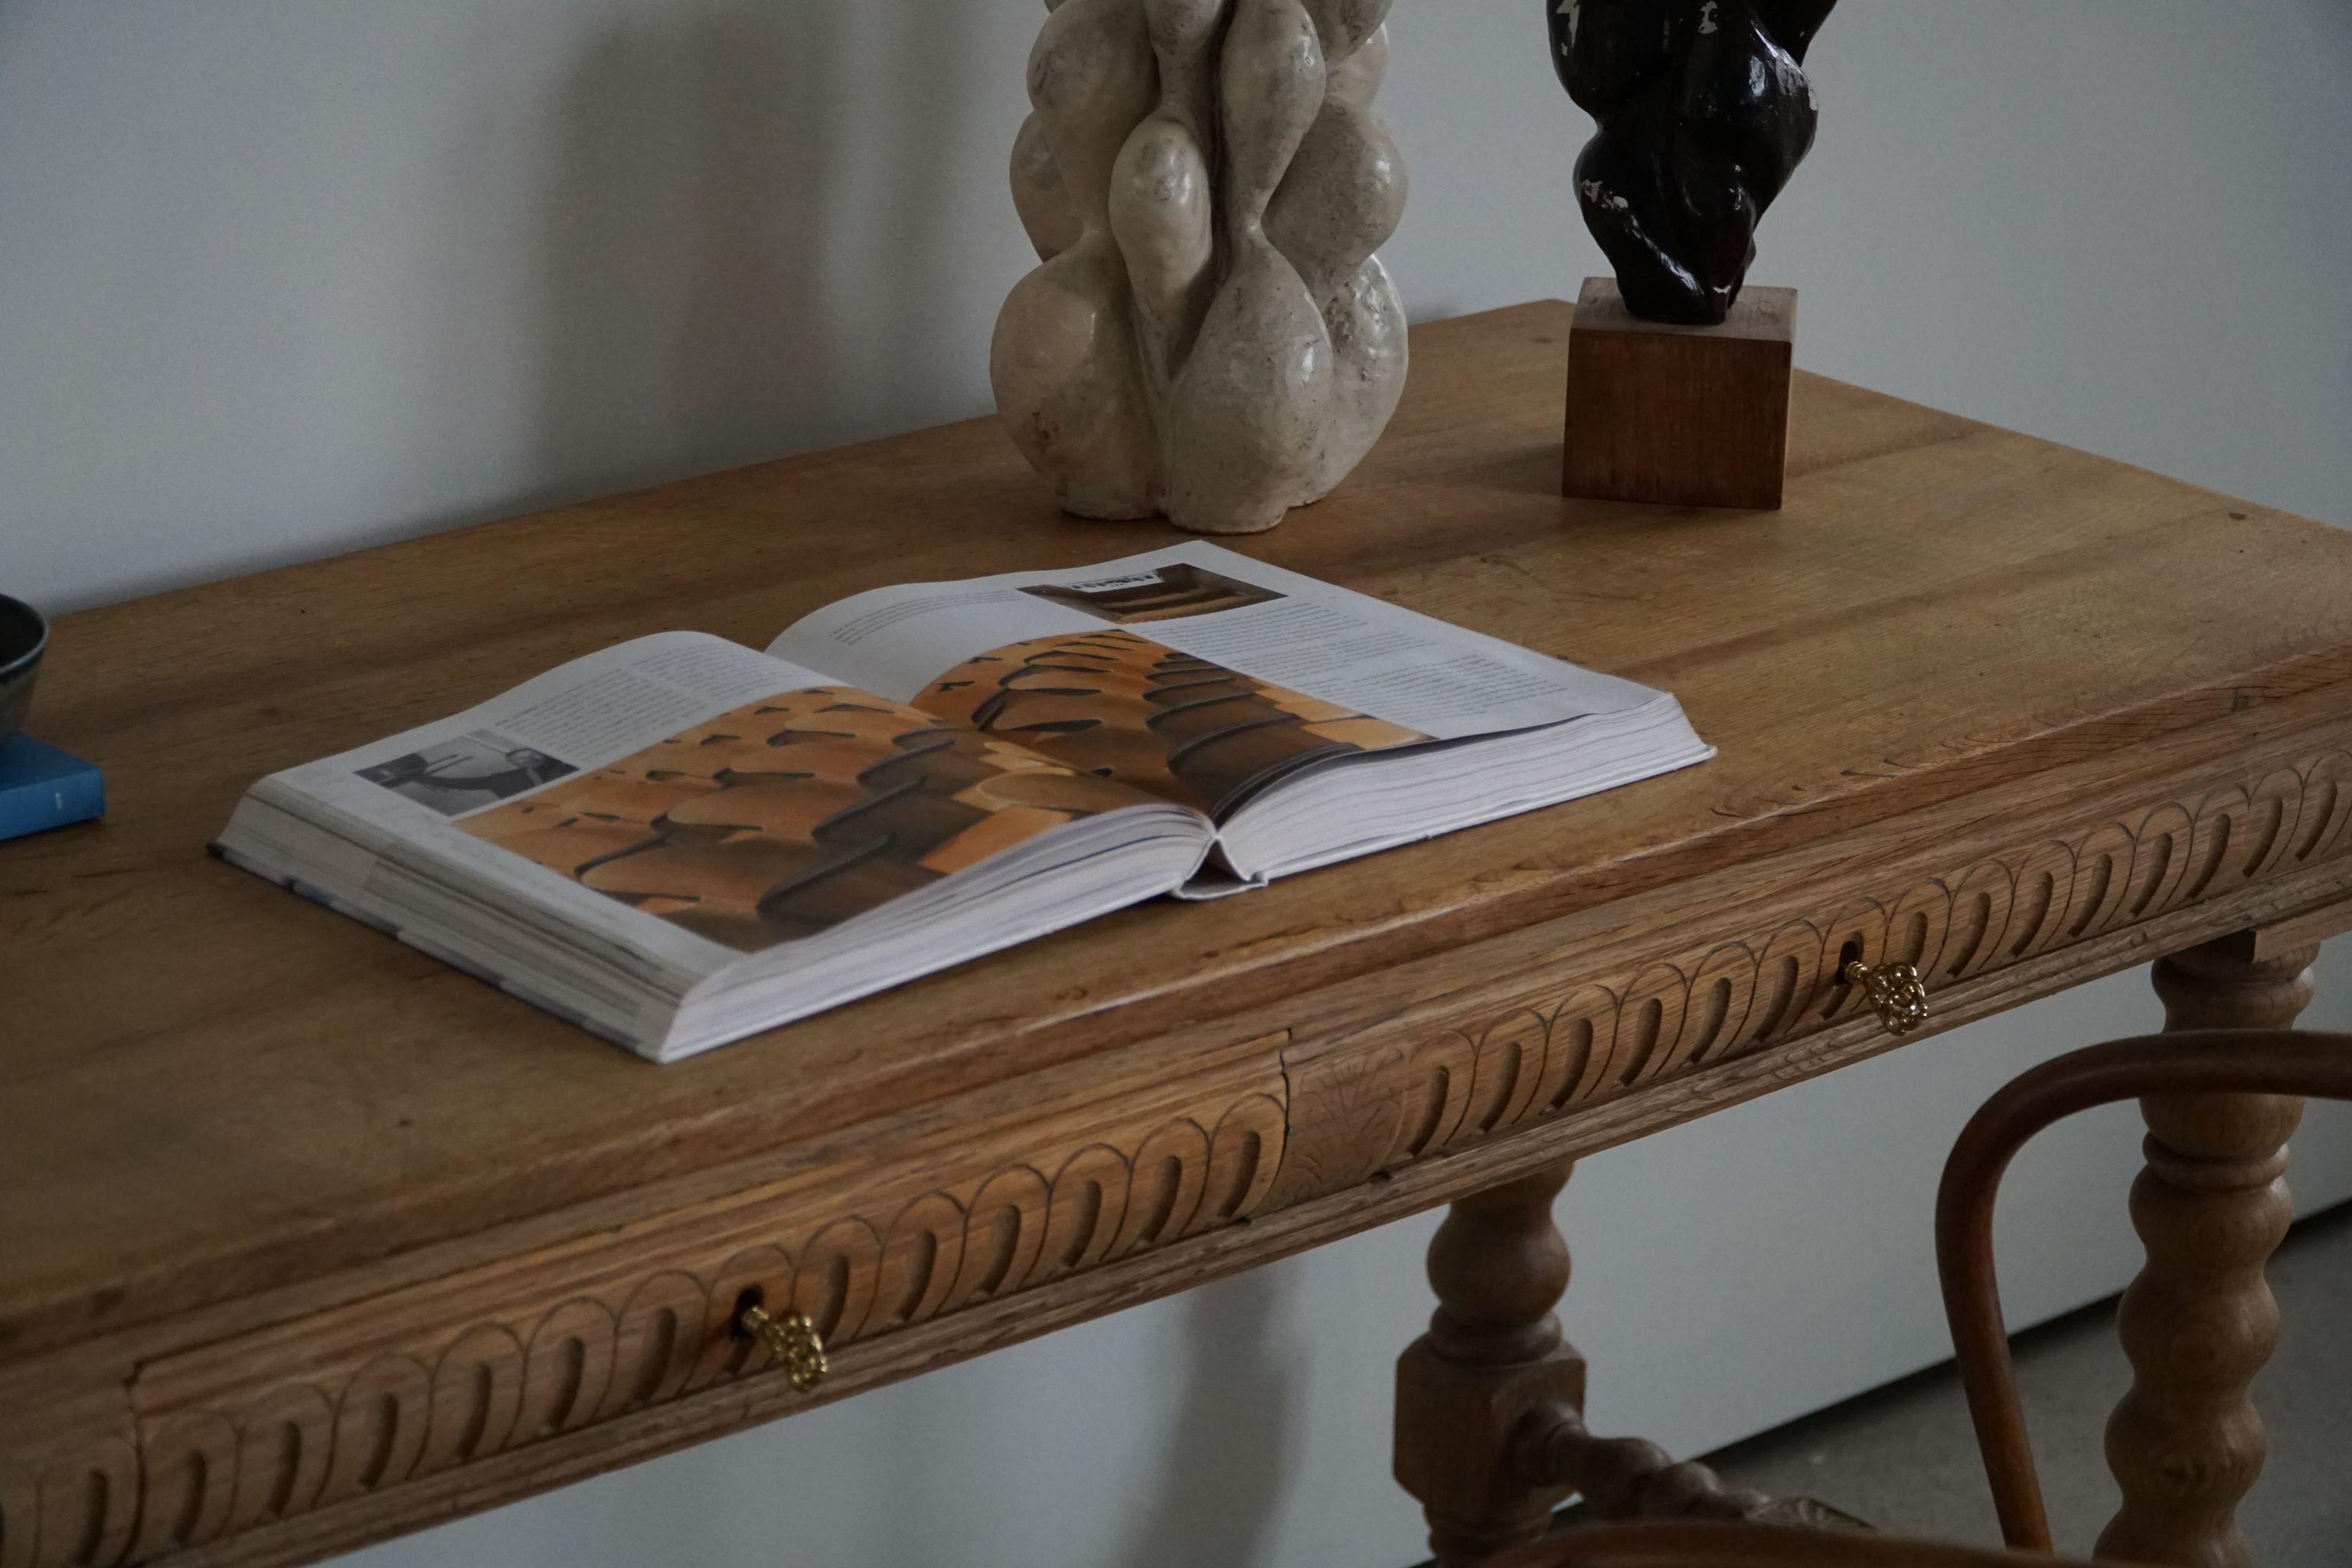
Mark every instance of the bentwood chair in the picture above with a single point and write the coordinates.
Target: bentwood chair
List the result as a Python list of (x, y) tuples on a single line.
[(2187, 1455), (2230, 1326)]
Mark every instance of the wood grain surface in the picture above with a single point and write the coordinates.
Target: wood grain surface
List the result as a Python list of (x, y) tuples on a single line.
[(2015, 712)]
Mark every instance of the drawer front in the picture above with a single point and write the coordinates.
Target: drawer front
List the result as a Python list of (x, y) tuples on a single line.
[(347, 1404), (1444, 1054)]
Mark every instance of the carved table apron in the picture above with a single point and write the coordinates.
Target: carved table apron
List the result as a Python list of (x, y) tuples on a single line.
[(306, 1240)]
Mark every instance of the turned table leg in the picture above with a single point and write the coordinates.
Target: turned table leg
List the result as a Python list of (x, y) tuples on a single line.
[(2200, 1322), (1493, 1355)]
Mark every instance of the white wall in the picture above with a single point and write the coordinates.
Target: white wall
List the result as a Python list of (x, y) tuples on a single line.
[(278, 277)]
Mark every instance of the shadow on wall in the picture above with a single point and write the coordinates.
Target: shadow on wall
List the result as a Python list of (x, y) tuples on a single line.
[(727, 270), (1230, 1446)]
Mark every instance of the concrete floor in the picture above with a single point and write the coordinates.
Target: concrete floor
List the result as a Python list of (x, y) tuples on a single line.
[(1904, 1456)]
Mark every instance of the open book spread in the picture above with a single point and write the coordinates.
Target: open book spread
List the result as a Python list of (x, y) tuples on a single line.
[(678, 842)]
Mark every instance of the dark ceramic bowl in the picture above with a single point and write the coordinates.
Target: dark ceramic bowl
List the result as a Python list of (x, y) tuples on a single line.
[(23, 636)]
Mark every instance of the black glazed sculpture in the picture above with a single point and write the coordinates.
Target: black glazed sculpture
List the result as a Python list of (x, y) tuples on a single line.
[(1705, 112)]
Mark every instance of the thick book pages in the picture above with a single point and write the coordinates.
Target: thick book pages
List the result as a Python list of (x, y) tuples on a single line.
[(680, 841)]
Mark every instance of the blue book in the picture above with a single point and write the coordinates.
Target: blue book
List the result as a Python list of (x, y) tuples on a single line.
[(42, 787)]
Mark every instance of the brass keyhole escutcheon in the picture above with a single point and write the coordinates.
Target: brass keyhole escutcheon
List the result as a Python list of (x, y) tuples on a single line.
[(1894, 992), (791, 1339)]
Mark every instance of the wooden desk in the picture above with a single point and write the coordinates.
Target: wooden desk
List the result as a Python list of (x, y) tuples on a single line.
[(306, 1239)]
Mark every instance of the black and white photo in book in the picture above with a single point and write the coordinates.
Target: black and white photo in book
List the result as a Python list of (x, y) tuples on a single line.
[(466, 773)]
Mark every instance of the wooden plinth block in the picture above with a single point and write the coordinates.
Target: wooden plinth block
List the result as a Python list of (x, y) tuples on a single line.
[(1680, 416)]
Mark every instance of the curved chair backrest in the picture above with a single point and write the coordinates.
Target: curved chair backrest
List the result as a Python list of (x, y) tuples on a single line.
[(2212, 1061), (1732, 1545)]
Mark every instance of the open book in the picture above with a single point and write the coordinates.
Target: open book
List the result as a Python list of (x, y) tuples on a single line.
[(678, 841)]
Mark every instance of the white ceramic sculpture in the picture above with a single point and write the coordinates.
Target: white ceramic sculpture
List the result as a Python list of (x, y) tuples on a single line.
[(1211, 336)]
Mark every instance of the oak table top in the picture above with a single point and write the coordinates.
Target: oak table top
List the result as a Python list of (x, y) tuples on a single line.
[(2018, 713)]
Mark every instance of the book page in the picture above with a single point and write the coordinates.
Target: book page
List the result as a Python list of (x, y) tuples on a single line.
[(1194, 672), (682, 792)]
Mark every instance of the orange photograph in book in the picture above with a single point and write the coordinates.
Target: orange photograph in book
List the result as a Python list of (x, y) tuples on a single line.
[(1122, 707), (788, 816)]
